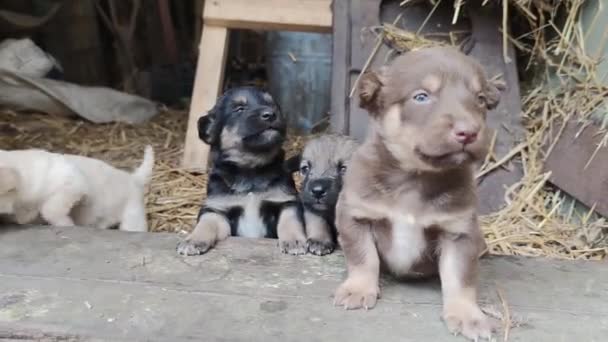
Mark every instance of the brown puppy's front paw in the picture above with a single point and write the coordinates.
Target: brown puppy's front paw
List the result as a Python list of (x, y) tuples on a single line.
[(293, 247), (191, 247), (467, 319), (356, 294), (318, 247)]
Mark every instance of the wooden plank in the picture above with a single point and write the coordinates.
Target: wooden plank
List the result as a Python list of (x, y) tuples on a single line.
[(246, 290), (364, 14), (506, 117), (567, 165), (280, 15), (207, 86), (340, 76)]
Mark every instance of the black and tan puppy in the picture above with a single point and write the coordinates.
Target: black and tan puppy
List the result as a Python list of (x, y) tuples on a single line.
[(250, 193), (409, 199), (322, 163)]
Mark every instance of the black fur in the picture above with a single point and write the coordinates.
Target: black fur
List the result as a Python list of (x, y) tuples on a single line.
[(327, 212), (230, 177)]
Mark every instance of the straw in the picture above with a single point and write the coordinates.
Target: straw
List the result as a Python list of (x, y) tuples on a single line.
[(536, 220), (174, 195), (533, 222)]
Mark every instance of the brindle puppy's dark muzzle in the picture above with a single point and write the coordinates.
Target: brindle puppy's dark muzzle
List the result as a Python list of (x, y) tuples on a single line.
[(321, 193)]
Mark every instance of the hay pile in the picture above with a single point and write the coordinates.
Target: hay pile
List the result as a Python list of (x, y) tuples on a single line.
[(533, 223), (175, 195), (529, 225)]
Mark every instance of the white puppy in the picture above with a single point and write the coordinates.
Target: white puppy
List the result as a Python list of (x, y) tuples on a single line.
[(69, 190)]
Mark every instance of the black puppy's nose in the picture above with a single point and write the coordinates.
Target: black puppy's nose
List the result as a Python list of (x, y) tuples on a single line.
[(318, 188), (268, 115)]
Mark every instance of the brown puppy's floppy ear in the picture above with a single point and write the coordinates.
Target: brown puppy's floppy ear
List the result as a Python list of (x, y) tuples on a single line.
[(209, 127), (370, 86), (494, 89), (8, 179)]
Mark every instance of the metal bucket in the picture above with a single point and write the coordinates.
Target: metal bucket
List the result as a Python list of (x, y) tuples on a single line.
[(299, 76)]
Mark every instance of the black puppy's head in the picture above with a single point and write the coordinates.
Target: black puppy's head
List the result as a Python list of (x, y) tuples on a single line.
[(323, 164), (245, 126)]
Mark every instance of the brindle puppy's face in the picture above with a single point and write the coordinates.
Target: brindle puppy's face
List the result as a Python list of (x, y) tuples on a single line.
[(245, 125), (429, 108), (324, 162)]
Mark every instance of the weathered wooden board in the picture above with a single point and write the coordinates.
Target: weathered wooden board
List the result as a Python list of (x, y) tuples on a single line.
[(353, 46), (292, 15), (78, 284), (567, 163), (506, 117)]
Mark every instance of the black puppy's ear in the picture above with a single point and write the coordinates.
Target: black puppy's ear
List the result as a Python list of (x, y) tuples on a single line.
[(209, 128), (493, 92), (293, 164), (370, 86)]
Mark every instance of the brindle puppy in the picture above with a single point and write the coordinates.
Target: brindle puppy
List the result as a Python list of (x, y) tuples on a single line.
[(249, 192), (323, 164), (409, 199)]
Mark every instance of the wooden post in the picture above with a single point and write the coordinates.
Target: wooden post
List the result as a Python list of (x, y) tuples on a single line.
[(208, 85)]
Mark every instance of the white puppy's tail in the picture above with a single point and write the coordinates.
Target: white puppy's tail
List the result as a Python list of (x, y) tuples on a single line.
[(143, 173)]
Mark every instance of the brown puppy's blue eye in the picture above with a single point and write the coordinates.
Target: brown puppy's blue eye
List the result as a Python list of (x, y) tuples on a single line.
[(304, 169), (342, 169), (421, 97)]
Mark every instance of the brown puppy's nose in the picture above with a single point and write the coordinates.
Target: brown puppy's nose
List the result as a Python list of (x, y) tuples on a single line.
[(465, 133), (268, 115), (466, 138)]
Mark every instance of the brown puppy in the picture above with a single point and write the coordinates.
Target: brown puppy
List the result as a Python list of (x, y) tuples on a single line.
[(408, 201)]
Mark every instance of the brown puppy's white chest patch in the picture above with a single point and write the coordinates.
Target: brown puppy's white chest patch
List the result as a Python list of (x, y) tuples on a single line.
[(403, 241), (407, 243)]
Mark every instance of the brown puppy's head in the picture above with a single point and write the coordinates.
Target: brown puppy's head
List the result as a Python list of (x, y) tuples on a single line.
[(245, 127), (429, 108), (323, 164)]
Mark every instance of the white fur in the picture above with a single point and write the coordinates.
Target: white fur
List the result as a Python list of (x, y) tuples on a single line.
[(75, 190), (407, 244), (251, 224)]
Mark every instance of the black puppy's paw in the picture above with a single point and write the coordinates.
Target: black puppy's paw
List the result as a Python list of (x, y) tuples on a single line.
[(318, 247), (293, 247), (191, 247)]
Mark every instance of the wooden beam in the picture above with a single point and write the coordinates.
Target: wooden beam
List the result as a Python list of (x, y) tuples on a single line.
[(567, 163), (280, 15), (209, 79)]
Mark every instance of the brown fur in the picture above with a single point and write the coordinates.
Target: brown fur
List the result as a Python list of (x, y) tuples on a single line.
[(408, 202)]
